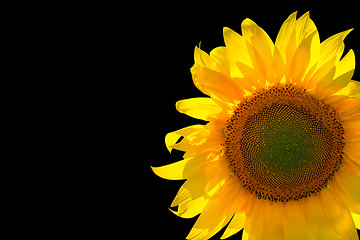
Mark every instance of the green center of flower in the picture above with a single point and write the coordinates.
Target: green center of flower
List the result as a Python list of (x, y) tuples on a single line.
[(287, 139), (284, 144)]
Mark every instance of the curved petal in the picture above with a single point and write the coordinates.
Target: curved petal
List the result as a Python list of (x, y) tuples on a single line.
[(191, 208), (257, 36), (208, 139), (349, 182), (284, 35), (343, 72), (236, 45), (236, 224), (353, 154), (351, 90), (346, 198), (216, 214), (279, 66), (298, 42), (184, 168), (200, 108), (251, 76), (255, 215), (304, 27), (319, 226), (351, 165), (299, 30), (172, 137), (217, 85), (295, 227), (202, 181), (356, 218), (347, 64), (333, 47), (173, 171), (203, 59), (326, 70), (245, 235), (221, 57), (260, 48), (338, 215), (273, 220), (301, 59)]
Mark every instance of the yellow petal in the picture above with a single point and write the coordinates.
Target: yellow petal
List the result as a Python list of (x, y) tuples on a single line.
[(319, 226), (250, 75), (273, 220), (173, 171), (203, 59), (201, 108), (236, 46), (343, 103), (183, 169), (349, 183), (333, 47), (340, 77), (260, 49), (245, 235), (347, 64), (172, 137), (215, 84), (292, 33), (356, 218), (353, 154), (199, 141), (247, 59), (355, 146), (203, 180), (319, 73), (221, 57), (283, 37), (191, 208), (338, 215), (301, 59), (295, 227), (256, 211), (304, 27), (351, 165), (210, 221), (257, 36), (225, 58), (215, 215), (351, 90), (344, 70), (237, 223), (279, 66), (346, 198)]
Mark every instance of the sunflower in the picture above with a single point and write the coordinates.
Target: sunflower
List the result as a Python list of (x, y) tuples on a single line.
[(280, 154)]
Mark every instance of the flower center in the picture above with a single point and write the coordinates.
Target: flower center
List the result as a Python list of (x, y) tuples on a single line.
[(284, 144)]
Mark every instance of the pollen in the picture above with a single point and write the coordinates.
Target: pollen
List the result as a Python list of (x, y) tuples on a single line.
[(283, 143)]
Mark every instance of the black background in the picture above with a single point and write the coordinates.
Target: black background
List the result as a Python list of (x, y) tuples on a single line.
[(167, 55)]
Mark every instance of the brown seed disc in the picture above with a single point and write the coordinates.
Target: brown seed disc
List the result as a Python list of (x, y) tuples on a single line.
[(284, 144)]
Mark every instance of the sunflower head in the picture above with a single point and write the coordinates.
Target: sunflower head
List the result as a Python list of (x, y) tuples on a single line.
[(282, 143)]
